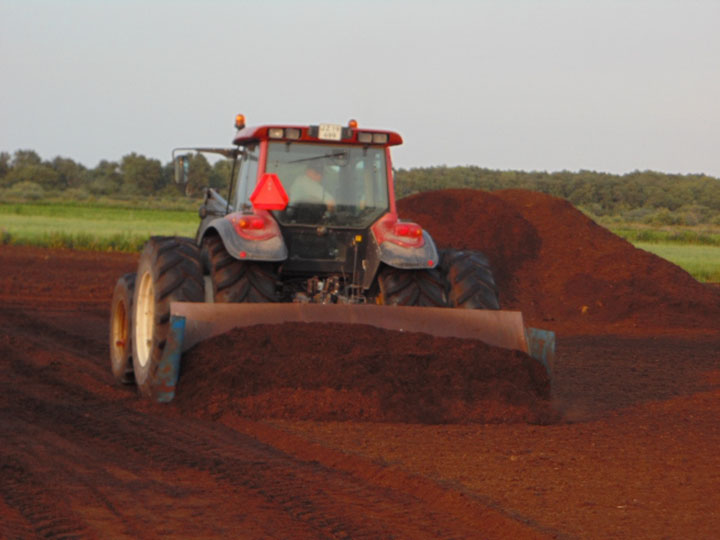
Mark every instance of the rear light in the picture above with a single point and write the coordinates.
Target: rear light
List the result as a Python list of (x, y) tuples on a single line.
[(405, 234), (401, 233), (251, 222), (410, 230), (253, 226)]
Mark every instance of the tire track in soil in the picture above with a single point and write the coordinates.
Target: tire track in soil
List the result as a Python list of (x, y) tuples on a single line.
[(478, 513), (83, 462), (42, 510)]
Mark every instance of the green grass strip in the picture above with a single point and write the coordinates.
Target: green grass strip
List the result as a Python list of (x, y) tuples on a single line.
[(109, 228), (702, 262), (662, 236), (90, 227)]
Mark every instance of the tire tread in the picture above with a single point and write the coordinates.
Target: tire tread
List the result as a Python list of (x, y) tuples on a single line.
[(412, 287), (177, 274), (238, 281), (470, 280)]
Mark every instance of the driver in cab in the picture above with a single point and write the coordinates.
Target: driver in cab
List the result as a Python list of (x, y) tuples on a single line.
[(308, 188)]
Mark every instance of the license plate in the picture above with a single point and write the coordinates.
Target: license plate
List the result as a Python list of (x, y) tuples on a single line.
[(330, 132)]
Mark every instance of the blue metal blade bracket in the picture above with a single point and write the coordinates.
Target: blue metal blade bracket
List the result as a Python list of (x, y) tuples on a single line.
[(541, 345), (169, 368)]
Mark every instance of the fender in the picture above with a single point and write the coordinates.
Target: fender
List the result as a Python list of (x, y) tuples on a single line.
[(272, 250), (410, 258)]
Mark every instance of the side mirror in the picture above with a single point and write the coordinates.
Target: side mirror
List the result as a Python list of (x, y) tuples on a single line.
[(182, 169)]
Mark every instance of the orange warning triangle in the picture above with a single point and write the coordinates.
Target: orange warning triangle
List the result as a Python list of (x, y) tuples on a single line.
[(269, 193)]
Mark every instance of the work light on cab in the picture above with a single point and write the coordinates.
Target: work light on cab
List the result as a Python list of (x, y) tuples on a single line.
[(366, 137), (283, 133)]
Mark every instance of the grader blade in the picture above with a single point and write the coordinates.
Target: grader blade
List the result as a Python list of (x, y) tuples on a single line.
[(499, 328), (191, 323)]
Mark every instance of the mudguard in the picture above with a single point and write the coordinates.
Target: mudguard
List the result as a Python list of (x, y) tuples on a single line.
[(410, 258), (271, 250)]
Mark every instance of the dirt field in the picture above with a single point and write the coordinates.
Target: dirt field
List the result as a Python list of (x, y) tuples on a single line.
[(630, 450)]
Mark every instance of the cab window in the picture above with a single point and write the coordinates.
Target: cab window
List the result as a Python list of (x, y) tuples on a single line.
[(247, 176)]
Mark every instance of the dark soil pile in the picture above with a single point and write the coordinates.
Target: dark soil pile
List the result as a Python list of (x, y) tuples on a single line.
[(362, 373), (561, 269)]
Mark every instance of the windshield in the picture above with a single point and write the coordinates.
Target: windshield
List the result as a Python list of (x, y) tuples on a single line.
[(338, 185)]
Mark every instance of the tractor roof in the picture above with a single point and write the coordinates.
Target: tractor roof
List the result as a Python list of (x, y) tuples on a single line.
[(322, 133)]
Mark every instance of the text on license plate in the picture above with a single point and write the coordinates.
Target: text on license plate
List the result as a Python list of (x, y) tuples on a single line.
[(330, 132)]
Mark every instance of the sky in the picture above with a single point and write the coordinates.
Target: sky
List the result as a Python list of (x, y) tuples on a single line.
[(546, 85)]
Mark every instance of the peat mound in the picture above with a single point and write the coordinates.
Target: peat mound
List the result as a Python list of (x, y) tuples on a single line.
[(338, 371), (560, 268)]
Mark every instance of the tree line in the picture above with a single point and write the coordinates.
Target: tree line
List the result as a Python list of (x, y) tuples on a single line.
[(647, 196), (644, 196), (26, 175)]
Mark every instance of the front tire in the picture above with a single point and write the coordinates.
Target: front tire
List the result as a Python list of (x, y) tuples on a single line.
[(471, 283), (120, 330), (411, 288), (169, 270), (237, 281)]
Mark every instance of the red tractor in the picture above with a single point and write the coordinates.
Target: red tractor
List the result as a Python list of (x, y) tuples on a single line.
[(310, 219)]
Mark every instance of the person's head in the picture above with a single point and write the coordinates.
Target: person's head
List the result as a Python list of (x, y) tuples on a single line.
[(314, 171)]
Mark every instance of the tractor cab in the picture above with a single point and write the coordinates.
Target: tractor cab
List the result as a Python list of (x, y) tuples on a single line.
[(332, 175), (334, 185), (318, 202)]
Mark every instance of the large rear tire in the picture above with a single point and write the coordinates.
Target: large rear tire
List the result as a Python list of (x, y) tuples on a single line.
[(411, 288), (237, 281), (120, 330), (471, 283), (169, 270)]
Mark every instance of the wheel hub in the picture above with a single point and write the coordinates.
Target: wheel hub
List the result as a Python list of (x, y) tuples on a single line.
[(145, 318)]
